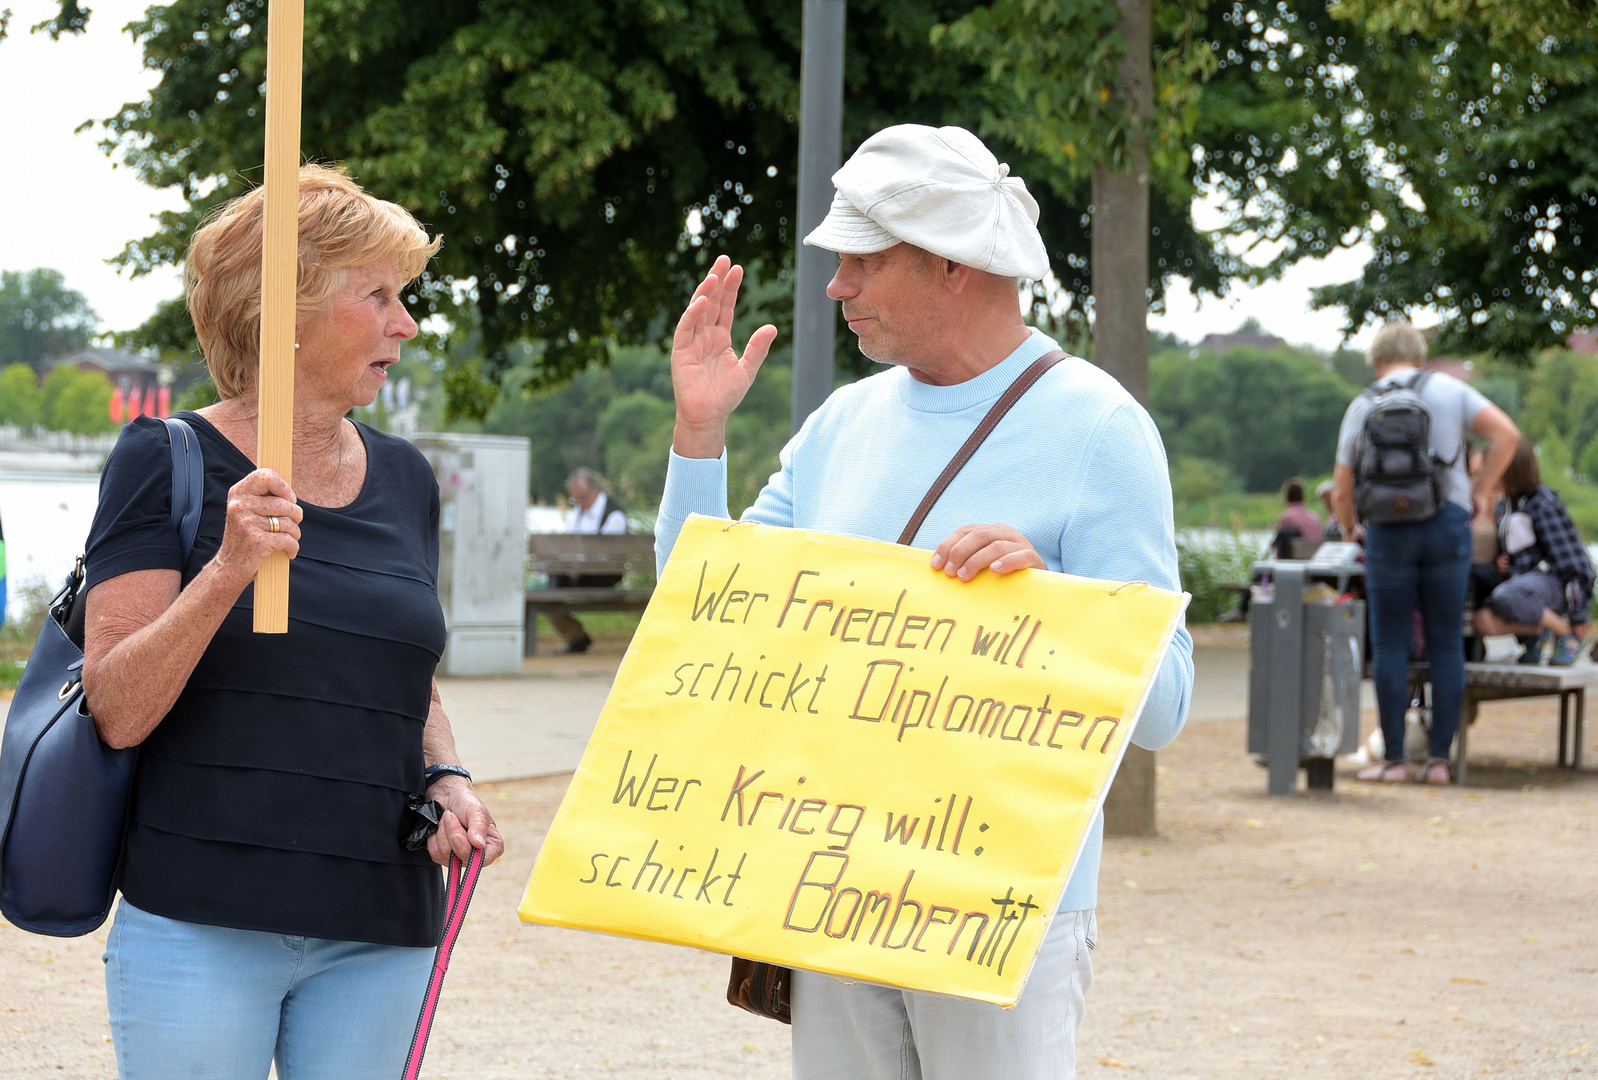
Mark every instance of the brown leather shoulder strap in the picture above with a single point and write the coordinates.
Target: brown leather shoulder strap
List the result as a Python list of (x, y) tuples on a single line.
[(1022, 384)]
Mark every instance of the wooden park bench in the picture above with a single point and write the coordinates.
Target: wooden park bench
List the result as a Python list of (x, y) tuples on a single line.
[(583, 554), (1496, 682)]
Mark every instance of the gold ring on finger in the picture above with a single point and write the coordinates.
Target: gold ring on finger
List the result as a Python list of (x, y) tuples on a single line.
[(273, 522)]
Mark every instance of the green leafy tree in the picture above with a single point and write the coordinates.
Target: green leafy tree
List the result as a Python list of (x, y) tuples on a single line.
[(582, 161), (1354, 368), (563, 423), (76, 401), (41, 318), (1100, 129), (19, 395), (168, 333), (1261, 416), (634, 433), (618, 417), (1554, 400), (1439, 132), (1489, 196), (1561, 398)]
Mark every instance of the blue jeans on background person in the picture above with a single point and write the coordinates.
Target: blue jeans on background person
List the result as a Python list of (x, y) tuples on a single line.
[(189, 1000), (1420, 567)]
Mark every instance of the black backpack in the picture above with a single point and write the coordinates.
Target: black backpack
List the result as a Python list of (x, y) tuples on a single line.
[(1397, 478)]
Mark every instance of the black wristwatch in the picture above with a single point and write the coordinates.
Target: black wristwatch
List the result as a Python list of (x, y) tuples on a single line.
[(433, 772)]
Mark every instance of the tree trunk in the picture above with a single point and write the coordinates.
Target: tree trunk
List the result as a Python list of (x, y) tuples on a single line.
[(1120, 268)]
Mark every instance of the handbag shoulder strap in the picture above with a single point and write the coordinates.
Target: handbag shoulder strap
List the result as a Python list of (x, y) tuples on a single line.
[(188, 491), (1022, 384), (188, 482)]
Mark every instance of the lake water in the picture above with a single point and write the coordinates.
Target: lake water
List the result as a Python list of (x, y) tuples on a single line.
[(46, 517), (1211, 538)]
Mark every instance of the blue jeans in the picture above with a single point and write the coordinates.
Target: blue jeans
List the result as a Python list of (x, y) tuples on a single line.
[(862, 1031), (189, 1000), (1422, 567)]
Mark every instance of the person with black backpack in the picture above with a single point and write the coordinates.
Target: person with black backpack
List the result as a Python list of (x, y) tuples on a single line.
[(1401, 476)]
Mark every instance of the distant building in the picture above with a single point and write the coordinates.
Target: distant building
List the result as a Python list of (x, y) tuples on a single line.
[(1222, 342), (128, 370), (1584, 342), (1463, 370), (137, 387)]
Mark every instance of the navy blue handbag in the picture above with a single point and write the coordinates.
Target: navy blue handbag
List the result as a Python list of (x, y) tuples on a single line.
[(63, 791)]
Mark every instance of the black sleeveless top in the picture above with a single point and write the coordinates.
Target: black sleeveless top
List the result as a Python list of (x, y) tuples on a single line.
[(272, 796)]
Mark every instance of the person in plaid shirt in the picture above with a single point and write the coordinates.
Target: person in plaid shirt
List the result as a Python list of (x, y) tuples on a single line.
[(1549, 589)]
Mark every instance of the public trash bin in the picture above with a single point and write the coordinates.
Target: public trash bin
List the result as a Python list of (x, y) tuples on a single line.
[(1306, 661), (482, 536)]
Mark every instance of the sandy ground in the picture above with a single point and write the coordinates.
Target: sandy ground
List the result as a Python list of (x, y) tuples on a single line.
[(1373, 932)]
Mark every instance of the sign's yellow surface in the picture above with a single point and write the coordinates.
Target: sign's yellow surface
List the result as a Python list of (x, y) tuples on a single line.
[(822, 753)]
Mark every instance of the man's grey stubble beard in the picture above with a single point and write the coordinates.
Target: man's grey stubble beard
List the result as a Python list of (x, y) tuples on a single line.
[(860, 343)]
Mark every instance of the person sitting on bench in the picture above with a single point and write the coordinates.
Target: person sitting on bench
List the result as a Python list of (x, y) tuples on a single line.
[(1548, 593), (594, 513), (1297, 522)]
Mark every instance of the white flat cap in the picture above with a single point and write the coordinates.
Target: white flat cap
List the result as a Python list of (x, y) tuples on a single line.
[(940, 189)]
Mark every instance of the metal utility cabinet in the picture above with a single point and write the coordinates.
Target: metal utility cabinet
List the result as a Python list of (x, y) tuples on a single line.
[(482, 484), (1306, 664)]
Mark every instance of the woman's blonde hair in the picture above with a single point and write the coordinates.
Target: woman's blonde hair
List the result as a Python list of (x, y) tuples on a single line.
[(1397, 342), (340, 227)]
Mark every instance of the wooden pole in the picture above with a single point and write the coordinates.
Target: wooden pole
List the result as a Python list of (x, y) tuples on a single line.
[(285, 36)]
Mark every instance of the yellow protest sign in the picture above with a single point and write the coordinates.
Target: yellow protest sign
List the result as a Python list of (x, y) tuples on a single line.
[(820, 752)]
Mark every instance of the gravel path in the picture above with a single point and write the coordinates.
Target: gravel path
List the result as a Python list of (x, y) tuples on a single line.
[(1371, 933)]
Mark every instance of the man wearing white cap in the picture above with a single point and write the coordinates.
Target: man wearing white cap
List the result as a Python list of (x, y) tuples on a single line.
[(932, 234)]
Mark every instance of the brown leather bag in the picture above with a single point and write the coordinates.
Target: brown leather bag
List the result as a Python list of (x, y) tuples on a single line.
[(754, 985), (760, 988)]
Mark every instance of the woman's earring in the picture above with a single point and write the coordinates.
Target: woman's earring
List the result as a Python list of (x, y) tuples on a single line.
[(296, 344)]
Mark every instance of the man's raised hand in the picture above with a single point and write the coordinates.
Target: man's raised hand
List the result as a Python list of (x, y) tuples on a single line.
[(707, 376)]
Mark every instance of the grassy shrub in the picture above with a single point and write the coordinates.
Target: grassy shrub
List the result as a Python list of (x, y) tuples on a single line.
[(1231, 510), (18, 634), (1205, 566), (599, 624), (1200, 479)]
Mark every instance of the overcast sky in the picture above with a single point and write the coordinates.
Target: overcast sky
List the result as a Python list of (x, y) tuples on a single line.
[(70, 208)]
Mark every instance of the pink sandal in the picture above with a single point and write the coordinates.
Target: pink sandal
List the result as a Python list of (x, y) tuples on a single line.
[(1435, 773), (1384, 772)]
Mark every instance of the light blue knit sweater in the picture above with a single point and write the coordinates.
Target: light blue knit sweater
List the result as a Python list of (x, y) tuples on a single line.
[(1077, 466)]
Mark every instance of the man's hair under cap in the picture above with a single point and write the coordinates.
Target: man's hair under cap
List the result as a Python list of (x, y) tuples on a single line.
[(940, 189)]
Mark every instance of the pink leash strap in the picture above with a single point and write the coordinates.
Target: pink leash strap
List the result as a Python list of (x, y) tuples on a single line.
[(462, 882)]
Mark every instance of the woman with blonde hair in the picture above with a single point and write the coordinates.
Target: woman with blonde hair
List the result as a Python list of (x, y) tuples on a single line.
[(269, 909)]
